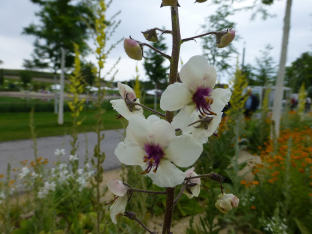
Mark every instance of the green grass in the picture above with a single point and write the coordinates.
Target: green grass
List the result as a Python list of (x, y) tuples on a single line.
[(20, 100), (15, 126)]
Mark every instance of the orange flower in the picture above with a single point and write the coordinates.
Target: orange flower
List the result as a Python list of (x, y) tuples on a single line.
[(271, 181), (243, 182), (274, 178), (14, 169), (253, 207), (301, 170), (255, 182), (310, 194), (1, 176)]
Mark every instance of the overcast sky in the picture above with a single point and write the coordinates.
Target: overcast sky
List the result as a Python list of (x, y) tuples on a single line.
[(140, 15)]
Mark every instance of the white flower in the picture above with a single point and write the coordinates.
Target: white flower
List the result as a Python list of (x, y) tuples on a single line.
[(73, 157), (80, 171), (120, 105), (2, 195), (196, 96), (225, 202), (120, 202), (48, 186), (194, 189), (62, 166), (24, 172), (59, 152), (87, 165), (153, 145)]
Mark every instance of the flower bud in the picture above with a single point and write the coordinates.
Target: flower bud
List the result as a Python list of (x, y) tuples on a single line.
[(226, 202), (224, 38), (169, 3), (151, 35), (194, 189), (133, 49), (200, 1), (117, 187)]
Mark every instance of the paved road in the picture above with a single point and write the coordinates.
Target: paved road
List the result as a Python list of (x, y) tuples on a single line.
[(15, 151)]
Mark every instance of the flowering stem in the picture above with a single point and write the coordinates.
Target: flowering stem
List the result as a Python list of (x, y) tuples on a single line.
[(173, 75), (193, 38), (179, 195), (156, 50), (146, 191), (151, 110), (139, 221), (163, 31)]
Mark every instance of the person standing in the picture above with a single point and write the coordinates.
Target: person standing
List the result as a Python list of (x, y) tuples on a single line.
[(251, 103)]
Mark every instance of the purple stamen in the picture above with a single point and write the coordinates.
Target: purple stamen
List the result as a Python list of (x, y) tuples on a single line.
[(153, 157), (202, 100)]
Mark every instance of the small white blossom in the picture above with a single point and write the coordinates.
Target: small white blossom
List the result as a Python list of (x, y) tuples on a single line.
[(80, 171), (73, 157), (120, 104), (120, 191), (59, 152), (48, 187), (24, 172), (62, 166)]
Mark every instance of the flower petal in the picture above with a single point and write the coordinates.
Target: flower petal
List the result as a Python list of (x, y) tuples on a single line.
[(120, 106), (138, 130), (175, 97), (186, 116), (167, 175), (202, 134), (220, 98), (118, 207), (183, 150), (197, 72), (124, 89), (162, 132), (117, 187), (152, 118), (130, 153)]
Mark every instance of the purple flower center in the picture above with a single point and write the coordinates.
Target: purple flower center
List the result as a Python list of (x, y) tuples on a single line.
[(154, 154), (202, 100)]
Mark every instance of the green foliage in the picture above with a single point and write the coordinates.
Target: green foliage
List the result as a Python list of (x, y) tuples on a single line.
[(265, 68), (26, 77), (153, 63), (217, 22), (300, 72), (62, 23), (87, 73)]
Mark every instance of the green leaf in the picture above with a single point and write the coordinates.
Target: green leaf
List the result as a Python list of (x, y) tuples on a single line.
[(301, 227)]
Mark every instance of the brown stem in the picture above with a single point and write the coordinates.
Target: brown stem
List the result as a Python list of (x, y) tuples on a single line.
[(179, 195), (151, 110), (139, 221), (158, 51), (174, 63), (168, 211), (146, 191), (163, 31), (193, 38)]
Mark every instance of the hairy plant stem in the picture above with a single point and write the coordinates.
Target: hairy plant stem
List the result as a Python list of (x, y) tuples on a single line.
[(156, 50), (179, 195), (193, 38), (139, 221), (174, 62), (146, 191), (151, 110)]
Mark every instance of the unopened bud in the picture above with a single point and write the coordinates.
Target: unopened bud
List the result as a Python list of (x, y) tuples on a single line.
[(224, 38), (172, 3), (226, 202), (131, 215), (200, 1), (151, 35), (133, 49)]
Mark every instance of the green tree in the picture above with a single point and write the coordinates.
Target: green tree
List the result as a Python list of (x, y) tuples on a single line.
[(249, 72), (25, 77), (62, 23), (300, 72), (215, 56), (87, 73), (153, 63), (265, 69)]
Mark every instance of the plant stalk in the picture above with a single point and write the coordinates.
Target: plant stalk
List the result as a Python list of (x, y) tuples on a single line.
[(174, 62)]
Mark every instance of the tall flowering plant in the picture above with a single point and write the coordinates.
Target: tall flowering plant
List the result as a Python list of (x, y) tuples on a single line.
[(166, 145)]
